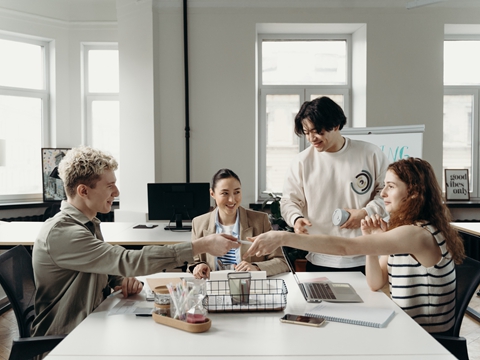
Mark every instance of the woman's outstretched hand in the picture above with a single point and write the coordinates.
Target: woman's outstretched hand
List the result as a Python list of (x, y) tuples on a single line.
[(265, 243)]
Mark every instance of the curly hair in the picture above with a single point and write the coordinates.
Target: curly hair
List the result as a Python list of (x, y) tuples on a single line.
[(424, 202), (84, 165)]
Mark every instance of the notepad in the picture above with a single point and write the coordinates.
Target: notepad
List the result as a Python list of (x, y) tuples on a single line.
[(346, 313)]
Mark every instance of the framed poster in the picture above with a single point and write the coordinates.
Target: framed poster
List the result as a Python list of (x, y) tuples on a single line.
[(457, 184), (52, 185)]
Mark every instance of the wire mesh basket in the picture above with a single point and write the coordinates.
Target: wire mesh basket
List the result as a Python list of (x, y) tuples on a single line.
[(264, 295)]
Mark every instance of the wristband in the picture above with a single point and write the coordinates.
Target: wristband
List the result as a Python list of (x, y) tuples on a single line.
[(297, 219)]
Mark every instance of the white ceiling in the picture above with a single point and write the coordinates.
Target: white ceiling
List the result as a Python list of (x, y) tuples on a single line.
[(106, 10)]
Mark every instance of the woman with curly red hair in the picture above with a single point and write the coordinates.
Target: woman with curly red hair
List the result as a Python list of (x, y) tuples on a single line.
[(415, 252)]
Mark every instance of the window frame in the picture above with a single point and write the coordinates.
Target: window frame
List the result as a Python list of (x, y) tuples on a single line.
[(304, 92), (90, 97), (473, 90), (44, 96)]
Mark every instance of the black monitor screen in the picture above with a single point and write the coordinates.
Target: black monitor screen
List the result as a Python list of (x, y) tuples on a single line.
[(177, 202)]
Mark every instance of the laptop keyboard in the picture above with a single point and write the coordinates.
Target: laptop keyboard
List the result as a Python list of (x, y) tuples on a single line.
[(319, 291)]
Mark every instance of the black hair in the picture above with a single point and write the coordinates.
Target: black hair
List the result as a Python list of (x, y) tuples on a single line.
[(223, 174), (323, 112)]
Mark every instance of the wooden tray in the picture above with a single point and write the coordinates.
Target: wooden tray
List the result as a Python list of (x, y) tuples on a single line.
[(182, 325)]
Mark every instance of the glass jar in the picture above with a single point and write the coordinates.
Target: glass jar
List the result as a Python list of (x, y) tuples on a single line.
[(162, 300), (196, 313)]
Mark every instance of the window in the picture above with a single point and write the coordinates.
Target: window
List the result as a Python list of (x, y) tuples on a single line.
[(24, 116), (291, 70), (460, 108), (101, 88)]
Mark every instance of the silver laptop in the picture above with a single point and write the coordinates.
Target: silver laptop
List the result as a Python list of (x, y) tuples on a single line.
[(323, 291)]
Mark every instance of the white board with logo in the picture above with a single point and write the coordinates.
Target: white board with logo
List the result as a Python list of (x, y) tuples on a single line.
[(397, 142)]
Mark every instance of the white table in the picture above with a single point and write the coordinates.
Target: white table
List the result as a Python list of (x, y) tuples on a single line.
[(472, 228), (253, 335), (115, 233)]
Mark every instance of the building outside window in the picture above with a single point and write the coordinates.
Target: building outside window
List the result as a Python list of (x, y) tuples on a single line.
[(24, 116), (291, 70), (460, 108)]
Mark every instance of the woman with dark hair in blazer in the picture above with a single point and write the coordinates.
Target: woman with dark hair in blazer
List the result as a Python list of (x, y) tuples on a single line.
[(231, 218)]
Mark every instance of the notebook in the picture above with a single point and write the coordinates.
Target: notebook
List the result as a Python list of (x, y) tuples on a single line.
[(323, 291), (366, 316)]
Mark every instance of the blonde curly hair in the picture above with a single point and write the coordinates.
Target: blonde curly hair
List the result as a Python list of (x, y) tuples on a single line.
[(84, 165)]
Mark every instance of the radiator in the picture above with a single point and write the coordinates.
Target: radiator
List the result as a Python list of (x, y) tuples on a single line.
[(102, 217), (472, 245), (25, 218)]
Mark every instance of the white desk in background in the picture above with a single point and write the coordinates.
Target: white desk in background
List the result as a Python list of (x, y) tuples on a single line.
[(472, 228), (115, 233), (253, 335)]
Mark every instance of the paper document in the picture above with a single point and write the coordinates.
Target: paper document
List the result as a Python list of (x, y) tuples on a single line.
[(131, 307)]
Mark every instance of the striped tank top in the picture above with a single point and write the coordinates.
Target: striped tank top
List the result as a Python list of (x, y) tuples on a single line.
[(427, 294)]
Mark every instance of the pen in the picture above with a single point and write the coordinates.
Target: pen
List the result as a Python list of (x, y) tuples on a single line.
[(115, 293), (245, 242), (143, 314)]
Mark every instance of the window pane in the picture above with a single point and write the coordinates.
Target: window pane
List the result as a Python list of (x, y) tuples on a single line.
[(21, 65), (282, 143), (106, 127), (103, 71), (461, 63), (457, 132), (20, 127), (303, 62)]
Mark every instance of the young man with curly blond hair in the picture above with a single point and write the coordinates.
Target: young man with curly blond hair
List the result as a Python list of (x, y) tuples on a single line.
[(74, 268)]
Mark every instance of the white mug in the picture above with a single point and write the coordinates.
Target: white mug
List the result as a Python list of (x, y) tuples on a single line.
[(340, 216)]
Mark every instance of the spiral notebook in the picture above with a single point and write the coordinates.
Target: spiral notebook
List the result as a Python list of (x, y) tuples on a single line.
[(366, 316)]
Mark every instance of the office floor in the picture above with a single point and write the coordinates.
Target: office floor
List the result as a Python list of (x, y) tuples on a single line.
[(470, 330)]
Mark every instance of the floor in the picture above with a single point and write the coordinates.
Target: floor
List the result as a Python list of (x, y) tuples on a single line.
[(8, 331), (470, 330)]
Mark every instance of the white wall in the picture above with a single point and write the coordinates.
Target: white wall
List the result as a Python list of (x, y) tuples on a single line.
[(404, 78), (403, 81), (137, 141)]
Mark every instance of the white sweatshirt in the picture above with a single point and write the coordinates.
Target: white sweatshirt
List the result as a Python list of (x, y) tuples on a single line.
[(317, 183)]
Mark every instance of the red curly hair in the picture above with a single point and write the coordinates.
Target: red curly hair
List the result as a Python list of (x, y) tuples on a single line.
[(424, 202)]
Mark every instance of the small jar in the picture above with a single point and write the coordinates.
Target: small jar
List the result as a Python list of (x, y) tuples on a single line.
[(162, 297)]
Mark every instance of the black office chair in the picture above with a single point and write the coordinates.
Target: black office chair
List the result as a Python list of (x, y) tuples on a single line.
[(16, 278), (468, 279)]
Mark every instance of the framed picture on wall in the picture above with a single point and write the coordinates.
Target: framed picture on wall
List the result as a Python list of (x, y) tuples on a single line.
[(52, 184), (457, 184)]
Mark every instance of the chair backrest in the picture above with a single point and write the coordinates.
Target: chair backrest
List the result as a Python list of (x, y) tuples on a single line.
[(16, 278), (468, 279)]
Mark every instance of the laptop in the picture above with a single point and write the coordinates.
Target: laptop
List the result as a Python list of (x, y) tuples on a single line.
[(316, 292)]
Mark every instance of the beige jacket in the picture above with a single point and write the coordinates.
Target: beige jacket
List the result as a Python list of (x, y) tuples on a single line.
[(252, 223)]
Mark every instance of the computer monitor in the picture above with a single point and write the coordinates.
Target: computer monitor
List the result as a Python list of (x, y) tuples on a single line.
[(177, 202)]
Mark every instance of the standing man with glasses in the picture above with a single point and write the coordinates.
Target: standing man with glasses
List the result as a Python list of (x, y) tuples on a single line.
[(333, 173)]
